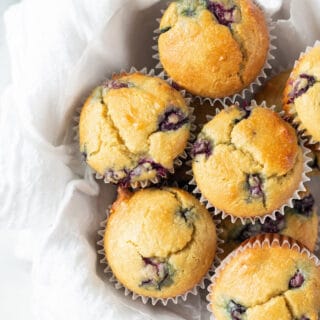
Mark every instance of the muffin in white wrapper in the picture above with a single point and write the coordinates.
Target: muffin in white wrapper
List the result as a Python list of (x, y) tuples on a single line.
[(252, 156), (131, 143), (159, 245), (219, 30), (267, 277)]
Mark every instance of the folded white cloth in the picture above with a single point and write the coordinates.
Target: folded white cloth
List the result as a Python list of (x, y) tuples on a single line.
[(59, 51)]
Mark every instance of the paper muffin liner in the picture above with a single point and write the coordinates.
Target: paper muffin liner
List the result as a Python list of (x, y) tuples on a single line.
[(244, 93), (261, 241), (295, 119), (289, 203), (178, 161), (145, 299)]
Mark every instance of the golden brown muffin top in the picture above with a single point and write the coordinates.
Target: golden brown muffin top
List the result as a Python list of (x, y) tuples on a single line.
[(247, 163), (133, 127), (213, 48), (159, 242), (301, 97), (266, 282)]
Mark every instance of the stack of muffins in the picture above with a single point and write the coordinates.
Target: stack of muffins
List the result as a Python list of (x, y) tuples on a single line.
[(249, 167)]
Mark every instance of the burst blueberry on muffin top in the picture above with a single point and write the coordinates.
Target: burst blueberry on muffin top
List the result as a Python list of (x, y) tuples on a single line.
[(133, 127), (213, 48), (247, 163), (301, 97), (159, 242)]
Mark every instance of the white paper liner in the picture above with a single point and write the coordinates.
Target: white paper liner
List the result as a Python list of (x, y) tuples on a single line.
[(270, 240), (127, 292), (303, 131), (244, 93), (177, 161), (289, 203)]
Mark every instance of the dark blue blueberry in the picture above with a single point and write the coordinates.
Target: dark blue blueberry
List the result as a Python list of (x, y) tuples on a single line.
[(254, 184), (202, 146), (304, 318), (269, 226), (116, 84), (160, 274), (172, 119), (273, 226), (304, 206), (296, 281), (123, 177), (223, 15), (236, 310), (300, 86)]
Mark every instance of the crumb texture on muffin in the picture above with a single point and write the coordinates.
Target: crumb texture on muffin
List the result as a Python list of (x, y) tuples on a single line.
[(247, 162), (159, 242), (301, 97), (267, 283), (213, 48), (133, 127)]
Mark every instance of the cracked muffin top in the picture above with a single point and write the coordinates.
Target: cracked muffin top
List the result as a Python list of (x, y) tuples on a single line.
[(247, 162), (272, 90), (299, 222), (267, 283), (301, 97), (133, 127), (213, 48), (159, 242)]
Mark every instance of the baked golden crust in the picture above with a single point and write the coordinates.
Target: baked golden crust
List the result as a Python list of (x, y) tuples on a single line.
[(254, 164), (209, 58), (267, 283), (125, 127), (301, 97), (159, 242), (272, 90)]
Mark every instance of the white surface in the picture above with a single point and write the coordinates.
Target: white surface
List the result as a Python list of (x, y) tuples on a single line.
[(15, 274), (60, 50)]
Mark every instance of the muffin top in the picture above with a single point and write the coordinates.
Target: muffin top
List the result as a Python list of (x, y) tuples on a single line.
[(133, 127), (299, 222), (272, 90), (267, 283), (247, 162), (301, 97), (159, 242), (213, 48)]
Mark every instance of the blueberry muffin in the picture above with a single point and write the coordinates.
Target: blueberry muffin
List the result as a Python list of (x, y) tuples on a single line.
[(132, 128), (301, 97), (272, 90), (264, 282), (299, 222), (159, 243), (247, 162), (213, 48)]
